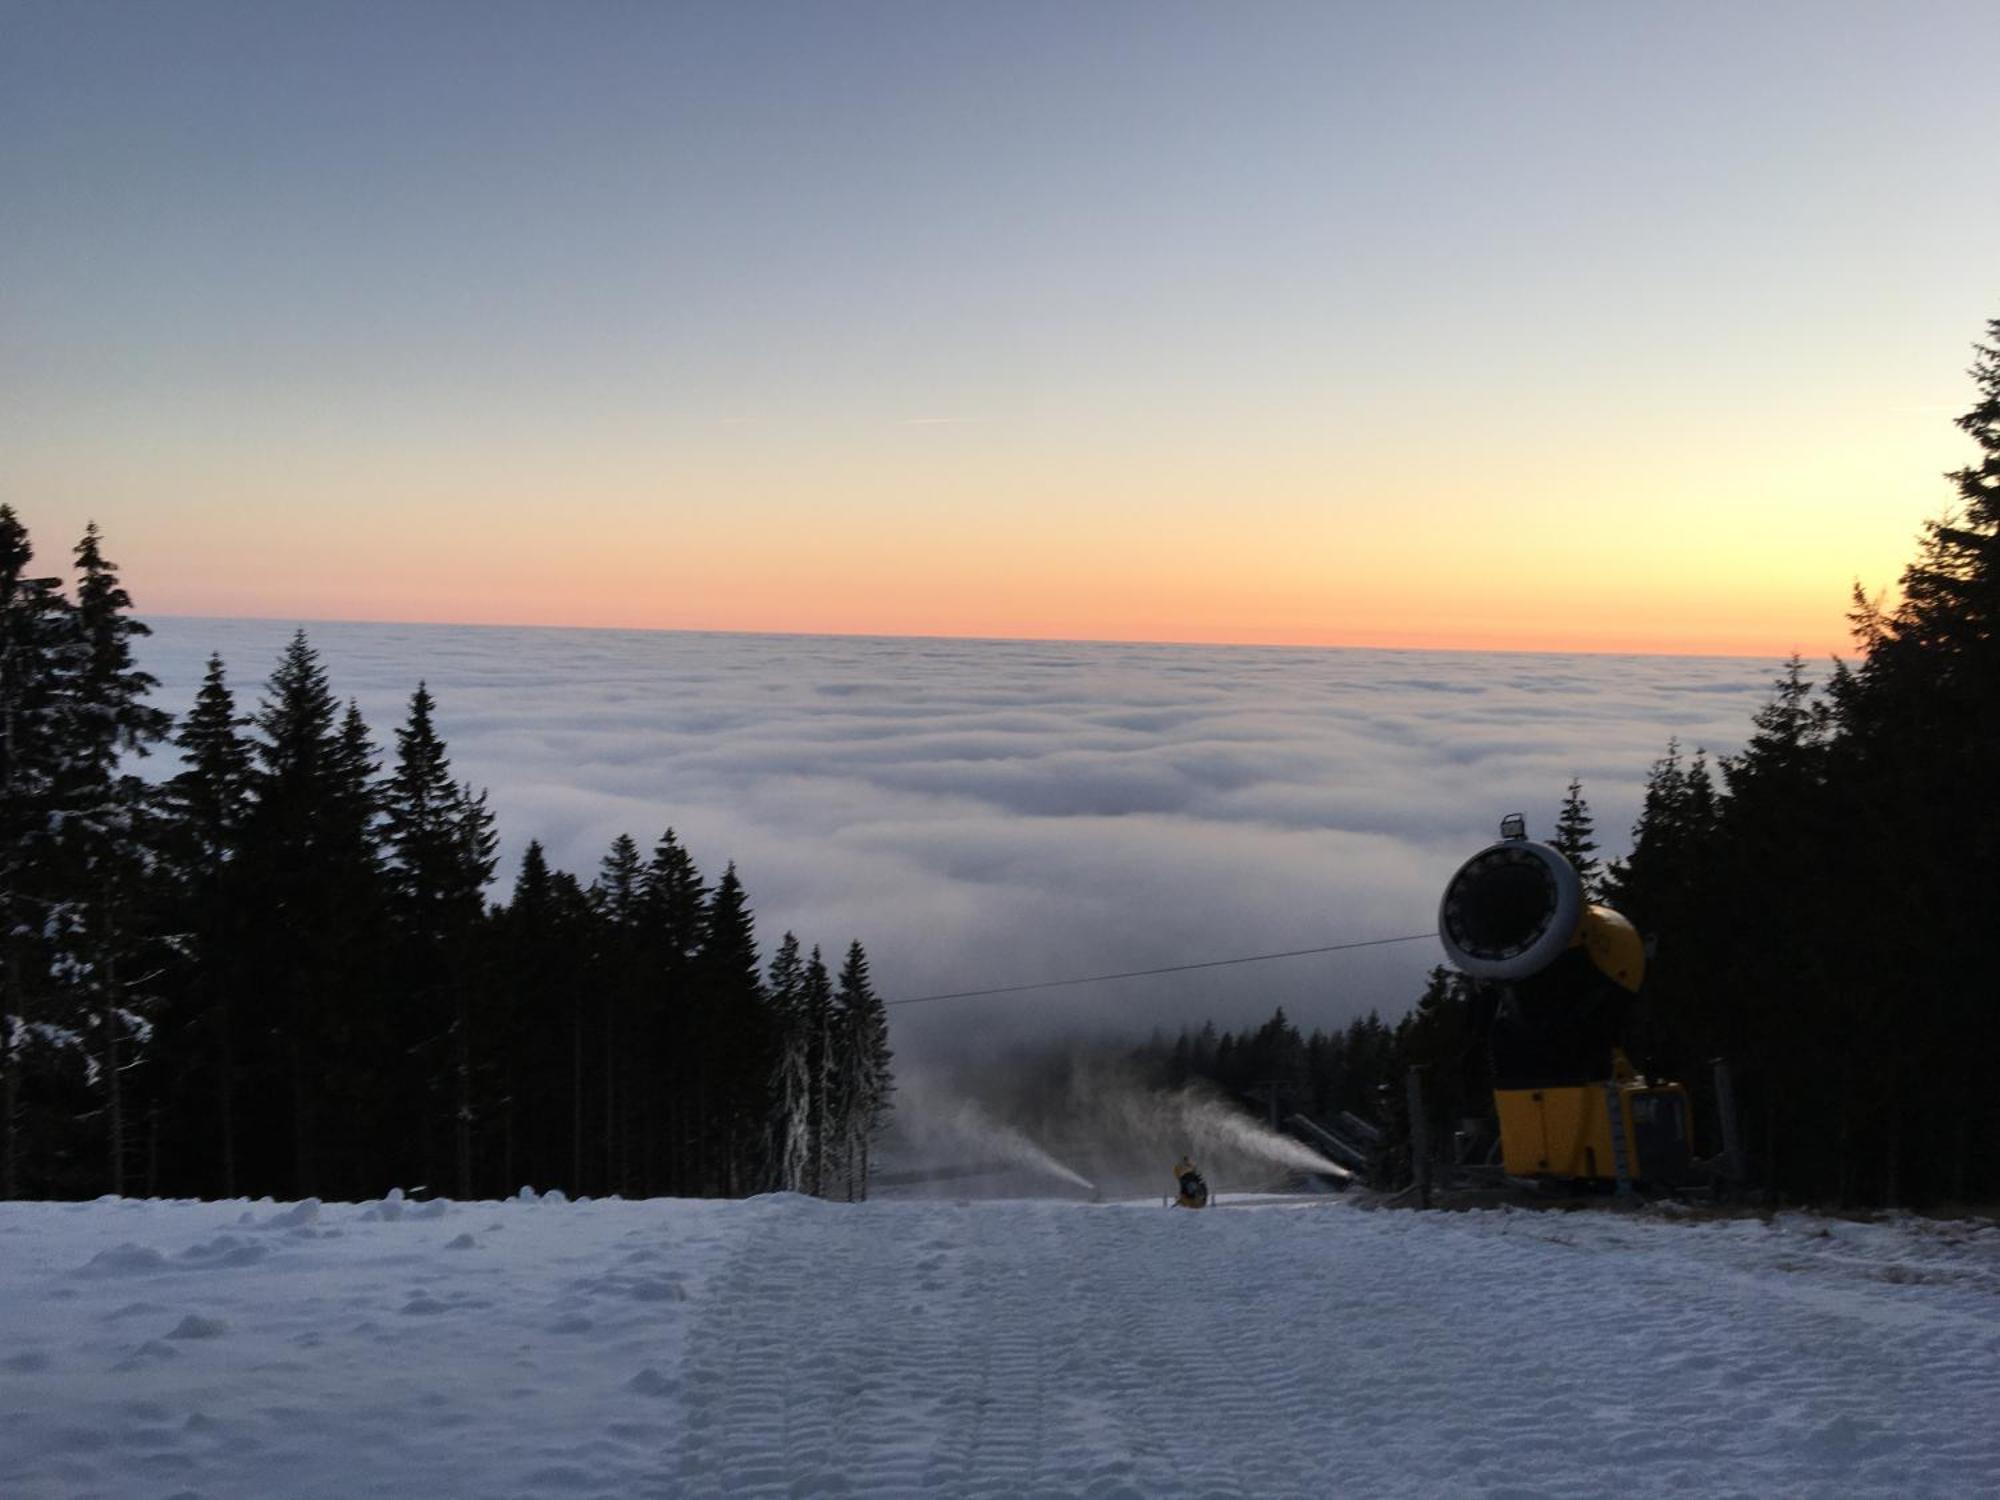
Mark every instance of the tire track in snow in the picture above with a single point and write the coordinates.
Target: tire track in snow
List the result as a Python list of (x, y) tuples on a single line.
[(1202, 1366), (821, 1359), (994, 1438)]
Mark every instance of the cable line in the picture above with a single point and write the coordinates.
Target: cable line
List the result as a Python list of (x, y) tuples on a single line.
[(1213, 963)]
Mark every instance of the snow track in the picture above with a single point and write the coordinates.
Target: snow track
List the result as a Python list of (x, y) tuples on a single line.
[(783, 1347)]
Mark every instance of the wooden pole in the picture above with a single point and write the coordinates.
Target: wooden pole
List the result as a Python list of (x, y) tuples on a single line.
[(1732, 1125)]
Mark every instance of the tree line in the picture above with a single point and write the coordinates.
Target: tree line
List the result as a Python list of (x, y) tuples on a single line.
[(1820, 907), (278, 971)]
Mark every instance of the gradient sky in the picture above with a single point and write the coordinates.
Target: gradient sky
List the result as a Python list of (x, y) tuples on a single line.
[(1575, 326)]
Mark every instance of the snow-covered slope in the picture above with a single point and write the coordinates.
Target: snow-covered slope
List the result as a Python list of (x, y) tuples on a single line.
[(788, 1347)]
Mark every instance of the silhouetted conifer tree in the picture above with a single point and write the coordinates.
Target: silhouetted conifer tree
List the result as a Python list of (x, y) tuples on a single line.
[(732, 996), (106, 839), (308, 881), (39, 739), (785, 985), (823, 1073), (676, 909), (866, 1080), (439, 839), (1574, 839), (205, 806)]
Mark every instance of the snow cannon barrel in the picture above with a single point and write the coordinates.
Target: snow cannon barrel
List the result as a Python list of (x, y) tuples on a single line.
[(1511, 910)]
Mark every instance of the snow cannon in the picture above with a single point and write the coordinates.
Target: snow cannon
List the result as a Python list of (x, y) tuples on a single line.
[(1191, 1187), (1554, 978)]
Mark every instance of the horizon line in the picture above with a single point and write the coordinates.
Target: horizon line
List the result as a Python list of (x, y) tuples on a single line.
[(303, 621)]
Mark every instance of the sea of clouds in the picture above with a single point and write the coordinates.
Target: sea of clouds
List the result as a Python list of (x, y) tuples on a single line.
[(984, 813)]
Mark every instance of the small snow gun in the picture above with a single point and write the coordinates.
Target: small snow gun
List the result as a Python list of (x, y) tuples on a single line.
[(1192, 1188), (1557, 976)]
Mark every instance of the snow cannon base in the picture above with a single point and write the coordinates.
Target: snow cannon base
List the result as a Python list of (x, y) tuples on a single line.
[(1564, 1131)]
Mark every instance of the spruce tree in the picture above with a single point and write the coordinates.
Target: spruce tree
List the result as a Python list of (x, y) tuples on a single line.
[(543, 937), (1916, 724), (823, 1074), (308, 883), (208, 798), (106, 856), (617, 898), (1573, 839), (732, 1000), (785, 984), (439, 840), (206, 804), (39, 738), (118, 720), (867, 1081), (674, 1028)]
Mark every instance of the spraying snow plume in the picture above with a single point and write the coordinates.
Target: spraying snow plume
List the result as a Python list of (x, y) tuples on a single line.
[(1219, 1130), (944, 1136), (1050, 1122)]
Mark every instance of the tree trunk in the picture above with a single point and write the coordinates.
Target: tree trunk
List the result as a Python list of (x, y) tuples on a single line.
[(228, 1104), (115, 1110), (462, 1062), (576, 1104), (10, 1172), (300, 1175), (610, 1104), (1892, 1139)]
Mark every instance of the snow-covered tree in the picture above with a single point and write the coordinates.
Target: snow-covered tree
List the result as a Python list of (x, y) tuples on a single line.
[(785, 985)]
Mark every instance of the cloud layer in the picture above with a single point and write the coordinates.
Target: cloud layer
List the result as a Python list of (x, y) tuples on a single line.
[(997, 812)]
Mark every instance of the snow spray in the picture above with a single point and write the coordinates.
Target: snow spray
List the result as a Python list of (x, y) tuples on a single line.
[(1123, 1132), (934, 1126), (1213, 1127)]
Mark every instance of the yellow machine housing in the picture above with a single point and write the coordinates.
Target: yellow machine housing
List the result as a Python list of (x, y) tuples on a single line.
[(1615, 948), (1566, 1131)]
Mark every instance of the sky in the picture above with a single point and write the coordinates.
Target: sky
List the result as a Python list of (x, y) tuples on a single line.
[(982, 814), (1538, 325)]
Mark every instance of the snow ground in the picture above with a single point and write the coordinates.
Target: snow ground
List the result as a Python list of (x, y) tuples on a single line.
[(783, 1346)]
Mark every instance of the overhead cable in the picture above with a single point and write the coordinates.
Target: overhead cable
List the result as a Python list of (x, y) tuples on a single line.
[(1213, 963)]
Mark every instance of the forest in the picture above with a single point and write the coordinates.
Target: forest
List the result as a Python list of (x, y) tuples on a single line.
[(278, 971), (1821, 910)]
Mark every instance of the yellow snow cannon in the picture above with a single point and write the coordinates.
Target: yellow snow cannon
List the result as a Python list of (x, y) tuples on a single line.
[(1191, 1190), (1557, 975)]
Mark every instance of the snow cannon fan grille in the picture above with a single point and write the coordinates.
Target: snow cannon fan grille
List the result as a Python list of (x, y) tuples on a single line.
[(1510, 910)]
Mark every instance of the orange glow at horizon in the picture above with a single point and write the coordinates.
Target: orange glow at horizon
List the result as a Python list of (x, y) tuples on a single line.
[(1541, 526)]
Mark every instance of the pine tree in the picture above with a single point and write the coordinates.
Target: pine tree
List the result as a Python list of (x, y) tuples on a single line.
[(823, 1071), (208, 799), (1573, 839), (307, 881), (205, 805), (106, 835), (675, 906), (439, 837), (1912, 758), (732, 1001), (617, 902), (544, 937), (785, 984), (118, 721), (39, 737), (867, 1082), (419, 826)]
